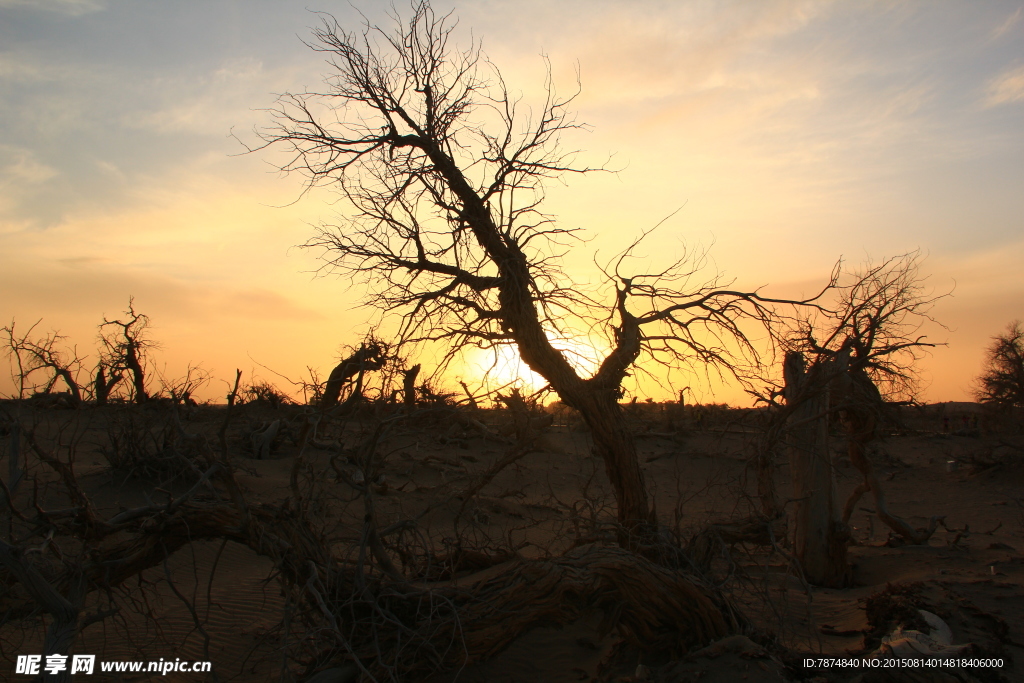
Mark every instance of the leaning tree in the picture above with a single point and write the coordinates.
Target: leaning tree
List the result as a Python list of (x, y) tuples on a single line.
[(443, 170)]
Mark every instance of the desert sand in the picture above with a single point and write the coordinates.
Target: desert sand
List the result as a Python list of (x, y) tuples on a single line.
[(219, 600)]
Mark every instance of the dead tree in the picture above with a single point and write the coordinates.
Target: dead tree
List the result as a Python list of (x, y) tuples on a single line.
[(820, 537), (409, 386), (32, 356), (1002, 382), (124, 344), (470, 399), (865, 352), (103, 385), (371, 355), (444, 175)]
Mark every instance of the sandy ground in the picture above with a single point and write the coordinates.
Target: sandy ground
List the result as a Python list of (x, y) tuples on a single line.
[(971, 572)]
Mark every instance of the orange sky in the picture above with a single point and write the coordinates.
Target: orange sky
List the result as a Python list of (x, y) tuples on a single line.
[(794, 132)]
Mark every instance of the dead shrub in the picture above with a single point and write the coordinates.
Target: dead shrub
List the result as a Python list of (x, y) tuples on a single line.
[(263, 392), (148, 445)]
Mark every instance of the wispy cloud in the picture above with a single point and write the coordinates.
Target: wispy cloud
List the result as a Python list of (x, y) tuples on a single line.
[(16, 68), (207, 103), (1006, 87), (81, 261), (21, 172), (96, 284), (72, 7), (628, 57), (1005, 26), (20, 166)]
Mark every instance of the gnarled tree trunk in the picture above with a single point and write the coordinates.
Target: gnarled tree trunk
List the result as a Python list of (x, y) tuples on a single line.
[(73, 389), (615, 444), (131, 358), (819, 541), (368, 357), (103, 385)]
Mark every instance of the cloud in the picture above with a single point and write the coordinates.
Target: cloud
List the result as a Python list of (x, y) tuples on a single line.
[(259, 303), (1007, 87), (207, 103), (20, 172), (72, 7), (1005, 26), (80, 261), (19, 166), (17, 68), (692, 46), (100, 285)]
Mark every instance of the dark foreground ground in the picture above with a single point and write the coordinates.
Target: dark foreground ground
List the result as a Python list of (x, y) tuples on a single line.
[(219, 600)]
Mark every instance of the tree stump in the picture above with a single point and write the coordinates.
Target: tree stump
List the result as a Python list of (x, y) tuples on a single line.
[(819, 541)]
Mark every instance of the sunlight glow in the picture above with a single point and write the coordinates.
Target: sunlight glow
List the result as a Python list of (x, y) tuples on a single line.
[(502, 366)]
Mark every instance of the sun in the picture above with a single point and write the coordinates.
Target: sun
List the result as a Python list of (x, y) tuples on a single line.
[(501, 365)]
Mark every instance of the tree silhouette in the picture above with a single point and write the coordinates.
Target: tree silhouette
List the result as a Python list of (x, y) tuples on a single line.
[(33, 355), (1002, 381), (852, 363), (124, 343), (443, 168)]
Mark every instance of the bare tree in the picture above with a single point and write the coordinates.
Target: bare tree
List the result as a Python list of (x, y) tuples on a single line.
[(863, 359), (372, 354), (444, 171), (1002, 381), (183, 389), (103, 384), (34, 355), (124, 350)]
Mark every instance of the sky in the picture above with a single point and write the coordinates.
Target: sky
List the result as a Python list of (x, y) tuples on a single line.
[(792, 133)]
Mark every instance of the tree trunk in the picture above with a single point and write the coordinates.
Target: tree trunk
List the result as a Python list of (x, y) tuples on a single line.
[(472, 401), (99, 387), (138, 375), (819, 542), (368, 357), (409, 386), (104, 385), (76, 392), (615, 444), (613, 441), (332, 390)]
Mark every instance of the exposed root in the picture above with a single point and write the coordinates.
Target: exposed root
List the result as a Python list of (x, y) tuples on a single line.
[(871, 483)]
